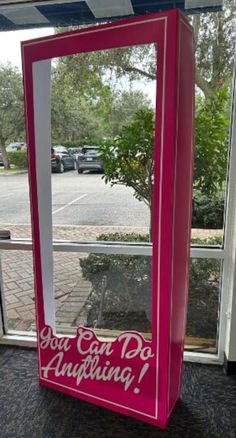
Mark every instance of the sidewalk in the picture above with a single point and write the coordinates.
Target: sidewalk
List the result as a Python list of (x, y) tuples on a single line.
[(70, 289)]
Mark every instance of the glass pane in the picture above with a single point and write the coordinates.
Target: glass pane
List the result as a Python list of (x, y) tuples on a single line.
[(214, 35), (203, 304), (18, 286), (109, 293)]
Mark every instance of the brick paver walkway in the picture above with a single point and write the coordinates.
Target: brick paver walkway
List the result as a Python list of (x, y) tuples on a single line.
[(70, 289)]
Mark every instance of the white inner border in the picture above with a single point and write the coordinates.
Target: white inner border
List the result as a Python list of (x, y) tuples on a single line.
[(41, 72)]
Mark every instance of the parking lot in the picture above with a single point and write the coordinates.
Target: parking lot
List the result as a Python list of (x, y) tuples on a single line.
[(76, 200)]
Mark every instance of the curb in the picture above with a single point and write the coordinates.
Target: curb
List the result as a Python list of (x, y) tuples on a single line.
[(20, 172)]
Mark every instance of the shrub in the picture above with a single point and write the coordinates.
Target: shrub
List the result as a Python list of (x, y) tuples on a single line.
[(121, 289), (203, 300), (18, 159), (212, 129), (207, 212), (215, 241)]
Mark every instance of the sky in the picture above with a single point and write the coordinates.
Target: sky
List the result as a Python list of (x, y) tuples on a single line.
[(10, 43)]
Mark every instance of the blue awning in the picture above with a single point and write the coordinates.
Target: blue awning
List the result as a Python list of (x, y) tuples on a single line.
[(25, 14)]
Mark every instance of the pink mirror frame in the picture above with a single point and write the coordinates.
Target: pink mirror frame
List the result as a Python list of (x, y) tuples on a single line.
[(129, 374)]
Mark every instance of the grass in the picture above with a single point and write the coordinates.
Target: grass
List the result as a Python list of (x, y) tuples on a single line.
[(207, 237), (11, 171)]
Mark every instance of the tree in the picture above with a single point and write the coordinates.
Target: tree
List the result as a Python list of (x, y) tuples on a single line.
[(11, 108), (215, 44), (214, 57), (129, 159), (211, 143), (92, 109), (214, 36), (124, 106), (74, 118), (78, 109)]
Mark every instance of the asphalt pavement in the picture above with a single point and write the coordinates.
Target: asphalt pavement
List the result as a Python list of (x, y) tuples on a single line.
[(76, 200)]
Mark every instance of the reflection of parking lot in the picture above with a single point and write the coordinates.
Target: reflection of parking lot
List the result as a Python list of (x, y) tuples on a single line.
[(76, 200)]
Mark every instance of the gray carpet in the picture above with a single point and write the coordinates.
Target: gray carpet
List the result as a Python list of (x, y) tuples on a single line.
[(207, 408)]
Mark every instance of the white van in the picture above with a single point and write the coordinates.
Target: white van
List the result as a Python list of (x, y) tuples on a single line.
[(13, 147)]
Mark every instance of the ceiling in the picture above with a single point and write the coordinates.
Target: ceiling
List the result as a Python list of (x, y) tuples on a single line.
[(23, 14)]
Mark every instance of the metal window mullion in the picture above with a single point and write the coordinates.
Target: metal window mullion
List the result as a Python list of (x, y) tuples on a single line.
[(207, 253), (229, 268), (102, 248), (3, 316)]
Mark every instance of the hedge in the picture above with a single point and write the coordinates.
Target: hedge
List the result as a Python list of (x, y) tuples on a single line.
[(207, 212), (18, 159), (120, 298)]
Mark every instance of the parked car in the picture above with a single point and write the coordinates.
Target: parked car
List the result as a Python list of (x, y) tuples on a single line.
[(13, 147), (61, 159), (89, 159), (75, 151)]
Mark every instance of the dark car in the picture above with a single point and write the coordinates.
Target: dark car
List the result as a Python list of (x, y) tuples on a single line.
[(89, 159), (61, 159)]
